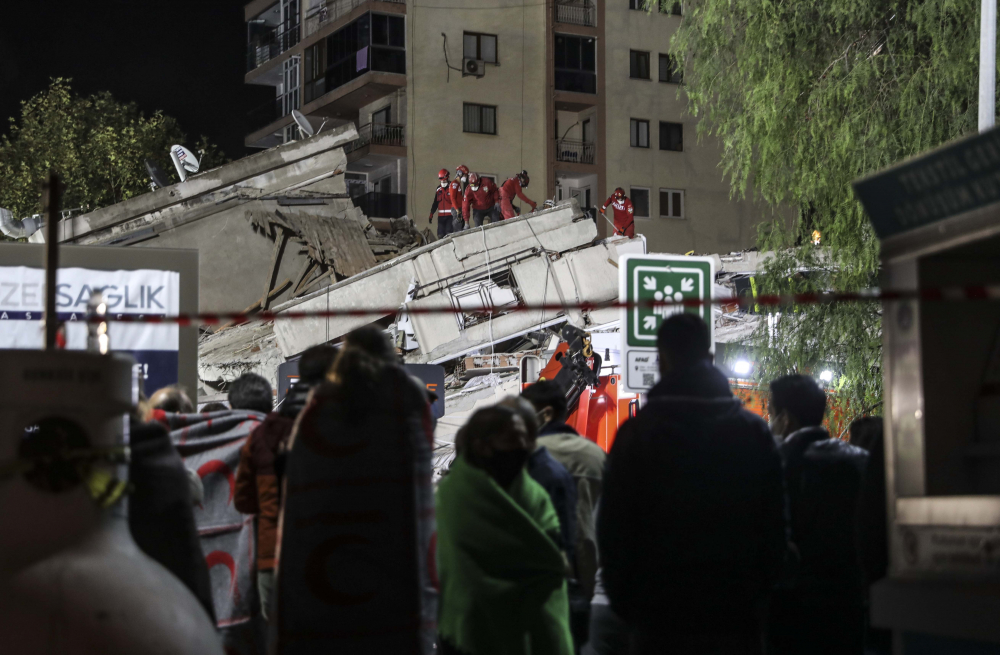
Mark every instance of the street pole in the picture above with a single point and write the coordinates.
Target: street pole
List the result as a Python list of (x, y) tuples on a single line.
[(987, 64)]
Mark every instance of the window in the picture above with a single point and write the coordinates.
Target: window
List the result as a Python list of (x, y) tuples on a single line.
[(667, 7), (289, 87), (638, 65), (479, 119), (588, 131), (357, 184), (381, 116), (671, 203), (371, 42), (638, 5), (480, 46), (315, 72), (640, 201), (671, 136), (388, 31), (670, 72), (639, 133), (575, 64)]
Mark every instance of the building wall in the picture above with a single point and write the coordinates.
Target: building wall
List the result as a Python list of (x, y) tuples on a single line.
[(713, 222), (516, 86)]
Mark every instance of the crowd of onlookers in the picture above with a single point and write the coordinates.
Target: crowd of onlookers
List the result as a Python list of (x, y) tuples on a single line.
[(704, 530)]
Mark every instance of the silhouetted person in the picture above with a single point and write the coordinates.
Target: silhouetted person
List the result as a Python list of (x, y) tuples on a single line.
[(355, 566), (172, 399), (258, 480), (873, 537), (213, 407), (584, 460), (548, 472), (503, 588), (210, 445), (160, 514), (692, 526), (822, 609)]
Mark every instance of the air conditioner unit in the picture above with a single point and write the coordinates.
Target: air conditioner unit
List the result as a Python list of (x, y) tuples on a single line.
[(474, 67)]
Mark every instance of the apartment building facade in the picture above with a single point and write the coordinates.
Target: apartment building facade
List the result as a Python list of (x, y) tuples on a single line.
[(581, 93)]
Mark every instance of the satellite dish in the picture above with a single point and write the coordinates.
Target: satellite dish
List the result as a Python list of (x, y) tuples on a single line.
[(303, 123), (184, 161), (157, 175)]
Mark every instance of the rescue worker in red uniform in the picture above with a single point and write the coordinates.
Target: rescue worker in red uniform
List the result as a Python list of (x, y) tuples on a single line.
[(443, 206), (480, 199), (457, 192), (624, 212), (512, 187)]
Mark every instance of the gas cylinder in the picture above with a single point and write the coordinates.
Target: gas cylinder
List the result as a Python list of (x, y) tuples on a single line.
[(72, 581)]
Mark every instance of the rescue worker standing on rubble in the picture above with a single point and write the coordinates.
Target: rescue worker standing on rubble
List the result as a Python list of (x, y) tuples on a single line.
[(457, 191), (442, 205), (481, 198), (624, 212), (511, 188)]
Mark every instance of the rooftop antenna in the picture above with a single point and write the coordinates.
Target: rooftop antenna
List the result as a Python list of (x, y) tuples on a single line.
[(184, 161), (305, 126), (158, 179)]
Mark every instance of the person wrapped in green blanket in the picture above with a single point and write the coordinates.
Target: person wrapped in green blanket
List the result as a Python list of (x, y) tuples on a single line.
[(502, 576)]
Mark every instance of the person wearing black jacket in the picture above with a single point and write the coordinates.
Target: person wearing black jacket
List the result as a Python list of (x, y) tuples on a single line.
[(258, 479), (692, 529), (820, 611)]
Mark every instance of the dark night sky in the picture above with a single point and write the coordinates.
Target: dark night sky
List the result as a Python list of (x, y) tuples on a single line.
[(186, 57)]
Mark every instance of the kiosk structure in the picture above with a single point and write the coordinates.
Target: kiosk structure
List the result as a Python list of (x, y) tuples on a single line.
[(938, 220)]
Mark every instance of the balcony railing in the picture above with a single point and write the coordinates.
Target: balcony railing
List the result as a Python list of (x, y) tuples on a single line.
[(331, 10), (576, 13), (577, 152), (382, 205), (380, 134), (576, 81), (265, 46)]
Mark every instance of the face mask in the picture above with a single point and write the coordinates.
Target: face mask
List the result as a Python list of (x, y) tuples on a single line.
[(475, 188), (464, 180), (505, 465), (444, 182)]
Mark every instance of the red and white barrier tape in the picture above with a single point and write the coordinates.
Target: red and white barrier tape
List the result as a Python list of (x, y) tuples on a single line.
[(970, 293)]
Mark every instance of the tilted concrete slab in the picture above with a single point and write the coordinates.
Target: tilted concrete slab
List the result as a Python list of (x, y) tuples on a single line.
[(295, 165), (435, 267)]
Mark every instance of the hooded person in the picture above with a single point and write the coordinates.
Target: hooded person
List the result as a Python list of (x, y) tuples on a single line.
[(692, 527), (210, 444), (258, 480), (355, 565), (503, 586)]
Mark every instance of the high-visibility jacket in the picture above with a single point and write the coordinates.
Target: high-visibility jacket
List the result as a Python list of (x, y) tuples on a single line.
[(484, 198), (624, 215), (442, 202)]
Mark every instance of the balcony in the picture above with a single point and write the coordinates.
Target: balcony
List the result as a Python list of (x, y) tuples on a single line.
[(333, 10), (576, 13), (575, 152), (267, 45), (377, 138), (381, 205)]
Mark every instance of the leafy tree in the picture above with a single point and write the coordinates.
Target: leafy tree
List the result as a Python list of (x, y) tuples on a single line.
[(96, 144), (806, 96)]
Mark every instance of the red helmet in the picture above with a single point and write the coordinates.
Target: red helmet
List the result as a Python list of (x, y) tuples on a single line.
[(619, 193), (443, 174), (463, 171), (522, 177), (474, 179)]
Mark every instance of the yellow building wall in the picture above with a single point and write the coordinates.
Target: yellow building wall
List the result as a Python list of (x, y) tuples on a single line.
[(435, 96), (713, 222)]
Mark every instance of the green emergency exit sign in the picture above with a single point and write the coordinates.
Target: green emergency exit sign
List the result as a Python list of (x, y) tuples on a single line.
[(645, 278)]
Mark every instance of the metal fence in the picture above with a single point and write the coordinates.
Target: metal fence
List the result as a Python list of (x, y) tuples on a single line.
[(576, 13), (577, 152), (331, 10), (265, 46), (382, 134)]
